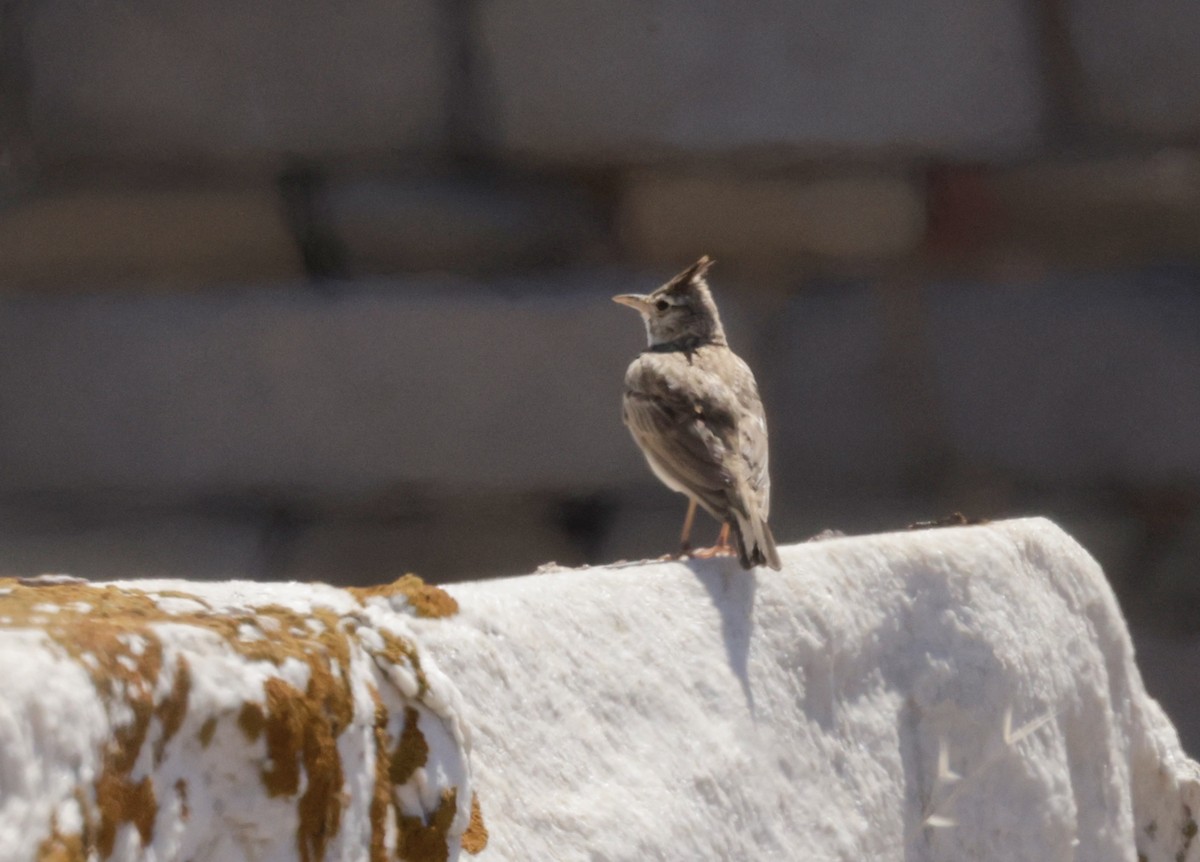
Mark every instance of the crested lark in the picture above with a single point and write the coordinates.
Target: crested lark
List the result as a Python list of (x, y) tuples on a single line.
[(692, 406)]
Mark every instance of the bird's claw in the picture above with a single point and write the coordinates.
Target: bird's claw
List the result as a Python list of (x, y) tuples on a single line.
[(710, 553)]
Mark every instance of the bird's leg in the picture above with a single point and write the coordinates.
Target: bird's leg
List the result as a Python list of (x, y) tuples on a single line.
[(722, 546), (685, 544), (720, 549)]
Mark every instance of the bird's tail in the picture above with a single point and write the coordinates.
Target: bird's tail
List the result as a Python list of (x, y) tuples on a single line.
[(755, 543)]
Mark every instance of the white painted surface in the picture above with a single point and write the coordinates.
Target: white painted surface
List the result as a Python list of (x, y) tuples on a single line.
[(211, 794), (692, 711), (965, 693)]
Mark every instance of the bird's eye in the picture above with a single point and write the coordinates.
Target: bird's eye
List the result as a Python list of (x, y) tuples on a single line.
[(662, 305)]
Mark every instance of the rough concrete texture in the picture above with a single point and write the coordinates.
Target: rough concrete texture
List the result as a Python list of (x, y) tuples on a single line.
[(965, 693), (955, 694), (158, 238), (630, 80), (171, 83), (1137, 65), (172, 721)]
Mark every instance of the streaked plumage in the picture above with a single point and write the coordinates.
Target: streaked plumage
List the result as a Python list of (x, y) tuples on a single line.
[(692, 406)]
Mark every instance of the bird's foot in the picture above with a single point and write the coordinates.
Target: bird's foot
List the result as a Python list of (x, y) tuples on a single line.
[(714, 551), (721, 549)]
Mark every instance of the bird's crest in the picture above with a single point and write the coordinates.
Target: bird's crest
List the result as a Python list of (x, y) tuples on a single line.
[(693, 275)]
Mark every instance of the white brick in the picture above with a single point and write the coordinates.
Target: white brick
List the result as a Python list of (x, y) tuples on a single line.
[(630, 80)]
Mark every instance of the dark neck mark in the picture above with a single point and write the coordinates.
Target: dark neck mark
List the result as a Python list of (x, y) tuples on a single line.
[(688, 344)]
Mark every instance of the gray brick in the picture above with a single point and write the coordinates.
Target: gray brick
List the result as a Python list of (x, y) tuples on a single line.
[(757, 223), (647, 524), (1064, 383), (1162, 660), (168, 237), (459, 225), (828, 390), (129, 545), (632, 80), (1079, 380), (410, 386), (1112, 211), (15, 145), (513, 386), (182, 83), (1098, 212), (456, 539), (1139, 64)]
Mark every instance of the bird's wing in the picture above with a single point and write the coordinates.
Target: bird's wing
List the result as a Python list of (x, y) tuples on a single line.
[(752, 432), (686, 422)]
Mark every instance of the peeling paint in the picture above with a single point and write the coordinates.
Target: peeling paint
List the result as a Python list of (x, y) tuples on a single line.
[(112, 633), (425, 839), (475, 839), (410, 753), (425, 599)]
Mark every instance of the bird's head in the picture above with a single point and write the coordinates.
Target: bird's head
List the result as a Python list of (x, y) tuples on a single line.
[(682, 310)]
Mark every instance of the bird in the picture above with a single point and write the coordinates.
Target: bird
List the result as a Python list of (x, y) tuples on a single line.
[(693, 408)]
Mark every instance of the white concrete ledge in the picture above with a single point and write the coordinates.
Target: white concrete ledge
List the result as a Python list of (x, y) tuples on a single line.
[(965, 693), (693, 711), (156, 721)]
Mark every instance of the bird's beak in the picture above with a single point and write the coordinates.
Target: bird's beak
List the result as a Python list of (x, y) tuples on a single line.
[(636, 301)]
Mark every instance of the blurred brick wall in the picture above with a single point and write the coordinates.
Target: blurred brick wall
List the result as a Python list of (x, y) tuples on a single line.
[(315, 290)]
